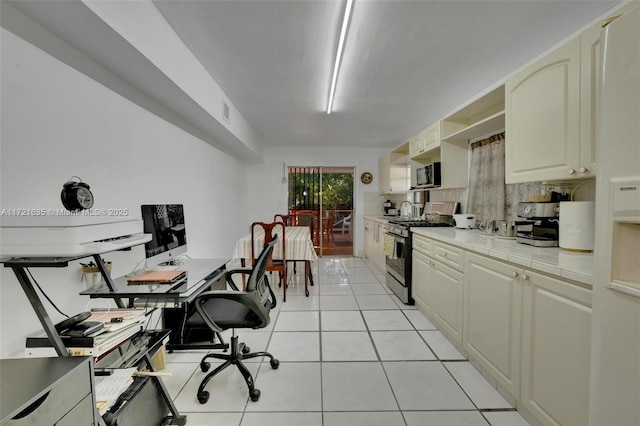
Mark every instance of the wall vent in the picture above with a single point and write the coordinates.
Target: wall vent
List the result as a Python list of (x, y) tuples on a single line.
[(226, 112)]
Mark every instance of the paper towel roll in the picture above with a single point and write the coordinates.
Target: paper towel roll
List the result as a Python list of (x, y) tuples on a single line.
[(576, 228)]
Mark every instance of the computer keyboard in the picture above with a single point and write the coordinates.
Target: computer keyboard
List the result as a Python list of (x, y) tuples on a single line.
[(165, 267)]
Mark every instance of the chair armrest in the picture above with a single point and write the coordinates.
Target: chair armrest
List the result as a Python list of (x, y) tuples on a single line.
[(229, 277), (249, 300)]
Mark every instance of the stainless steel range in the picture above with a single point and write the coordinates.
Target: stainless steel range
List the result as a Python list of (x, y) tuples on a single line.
[(397, 245)]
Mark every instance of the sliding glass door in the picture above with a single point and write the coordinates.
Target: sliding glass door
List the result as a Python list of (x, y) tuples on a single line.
[(322, 198)]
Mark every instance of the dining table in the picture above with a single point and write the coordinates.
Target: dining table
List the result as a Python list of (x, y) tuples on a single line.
[(299, 248)]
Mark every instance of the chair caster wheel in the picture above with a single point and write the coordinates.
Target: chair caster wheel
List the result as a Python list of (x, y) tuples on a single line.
[(275, 364), (204, 397), (254, 395), (205, 366), (246, 350)]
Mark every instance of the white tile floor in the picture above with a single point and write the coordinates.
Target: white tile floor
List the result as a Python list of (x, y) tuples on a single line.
[(351, 354)]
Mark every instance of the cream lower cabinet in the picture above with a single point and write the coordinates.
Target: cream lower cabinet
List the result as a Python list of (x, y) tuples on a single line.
[(492, 318), (421, 280), (556, 346), (421, 271), (447, 291), (368, 238), (373, 243), (437, 287), (447, 288)]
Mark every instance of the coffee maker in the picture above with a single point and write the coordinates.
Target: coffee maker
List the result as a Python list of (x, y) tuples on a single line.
[(389, 208), (540, 228)]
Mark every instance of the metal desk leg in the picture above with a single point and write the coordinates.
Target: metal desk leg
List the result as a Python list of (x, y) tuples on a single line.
[(40, 311), (177, 418), (107, 278)]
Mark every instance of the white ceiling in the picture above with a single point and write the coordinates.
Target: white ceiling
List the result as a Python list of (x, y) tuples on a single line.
[(407, 63)]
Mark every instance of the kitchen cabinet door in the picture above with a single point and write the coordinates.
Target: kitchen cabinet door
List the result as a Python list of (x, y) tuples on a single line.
[(542, 118), (556, 350), (416, 144), (492, 318), (368, 239), (446, 295), (431, 138), (590, 74), (422, 267), (378, 229)]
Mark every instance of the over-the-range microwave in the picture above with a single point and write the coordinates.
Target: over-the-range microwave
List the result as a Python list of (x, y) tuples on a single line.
[(429, 176)]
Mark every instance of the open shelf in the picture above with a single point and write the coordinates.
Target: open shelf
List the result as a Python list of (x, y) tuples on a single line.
[(400, 155), (477, 119), (489, 124)]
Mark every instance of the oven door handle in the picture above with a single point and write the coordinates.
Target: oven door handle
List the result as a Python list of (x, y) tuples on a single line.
[(400, 237)]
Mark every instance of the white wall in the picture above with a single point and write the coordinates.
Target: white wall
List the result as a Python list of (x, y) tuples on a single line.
[(56, 122), (268, 194)]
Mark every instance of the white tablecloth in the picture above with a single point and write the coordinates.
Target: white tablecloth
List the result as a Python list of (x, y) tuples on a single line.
[(298, 244)]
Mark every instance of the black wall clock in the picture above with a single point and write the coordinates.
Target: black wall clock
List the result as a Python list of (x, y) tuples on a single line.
[(76, 195), (366, 178)]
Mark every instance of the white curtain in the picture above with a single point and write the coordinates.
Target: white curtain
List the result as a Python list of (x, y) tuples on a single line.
[(487, 193)]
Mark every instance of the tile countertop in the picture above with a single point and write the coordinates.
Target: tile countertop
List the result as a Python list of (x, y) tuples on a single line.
[(381, 219), (552, 260)]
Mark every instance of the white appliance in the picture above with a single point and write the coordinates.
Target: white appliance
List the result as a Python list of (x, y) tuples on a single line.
[(66, 236), (615, 350)]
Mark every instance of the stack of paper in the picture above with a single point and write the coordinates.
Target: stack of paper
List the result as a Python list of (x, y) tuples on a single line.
[(109, 388), (114, 333)]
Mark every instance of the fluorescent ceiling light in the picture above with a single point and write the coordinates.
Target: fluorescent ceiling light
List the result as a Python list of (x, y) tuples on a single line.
[(336, 66)]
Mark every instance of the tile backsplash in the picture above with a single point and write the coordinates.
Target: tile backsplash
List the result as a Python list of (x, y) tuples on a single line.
[(515, 193)]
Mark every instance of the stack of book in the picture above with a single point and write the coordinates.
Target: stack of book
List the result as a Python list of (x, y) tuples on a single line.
[(119, 325)]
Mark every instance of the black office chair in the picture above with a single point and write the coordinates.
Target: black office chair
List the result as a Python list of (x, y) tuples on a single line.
[(221, 310)]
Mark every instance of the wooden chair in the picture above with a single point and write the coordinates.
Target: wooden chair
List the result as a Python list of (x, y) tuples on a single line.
[(306, 220), (284, 218), (279, 265), (327, 224)]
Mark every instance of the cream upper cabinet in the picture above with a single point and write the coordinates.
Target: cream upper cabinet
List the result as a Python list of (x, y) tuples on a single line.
[(551, 113), (427, 140), (590, 75), (556, 349), (431, 137), (542, 118), (416, 145), (492, 318)]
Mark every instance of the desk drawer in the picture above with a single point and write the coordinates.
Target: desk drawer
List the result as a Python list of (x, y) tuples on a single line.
[(449, 255), (423, 245), (82, 414), (60, 399)]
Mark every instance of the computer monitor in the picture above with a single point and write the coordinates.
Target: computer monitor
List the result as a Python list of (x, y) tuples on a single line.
[(165, 223)]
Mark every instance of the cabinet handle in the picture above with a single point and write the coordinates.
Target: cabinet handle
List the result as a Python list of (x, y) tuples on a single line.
[(582, 170), (514, 274), (444, 254), (524, 277), (571, 171)]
